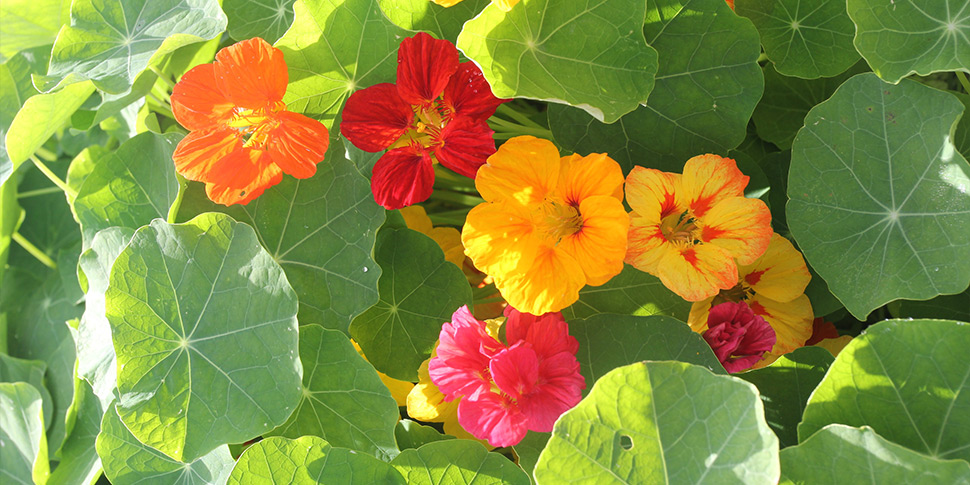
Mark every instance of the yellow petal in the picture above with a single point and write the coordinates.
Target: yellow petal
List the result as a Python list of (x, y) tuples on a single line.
[(426, 403), (779, 274), (498, 237), (646, 244), (740, 226), (416, 218), (650, 194), (524, 169), (707, 180), (503, 5), (697, 272), (600, 245), (583, 177), (792, 321), (835, 345), (447, 3), (699, 311), (551, 283)]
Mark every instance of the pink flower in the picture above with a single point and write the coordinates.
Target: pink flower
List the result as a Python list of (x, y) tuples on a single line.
[(738, 337), (523, 386)]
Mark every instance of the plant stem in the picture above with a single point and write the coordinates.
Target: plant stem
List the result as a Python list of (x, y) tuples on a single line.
[(502, 126), (54, 178), (511, 112), (36, 192), (963, 81), (34, 251), (161, 75), (174, 210), (46, 154)]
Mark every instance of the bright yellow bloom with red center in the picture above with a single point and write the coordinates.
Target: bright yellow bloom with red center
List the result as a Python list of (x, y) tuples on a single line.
[(774, 287), (688, 230), (550, 225)]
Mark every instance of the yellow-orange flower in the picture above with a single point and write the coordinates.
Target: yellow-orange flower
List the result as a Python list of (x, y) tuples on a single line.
[(689, 229), (504, 5), (774, 287), (550, 225)]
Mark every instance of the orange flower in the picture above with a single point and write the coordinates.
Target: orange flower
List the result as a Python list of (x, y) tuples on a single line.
[(689, 229), (549, 225), (774, 287), (241, 138)]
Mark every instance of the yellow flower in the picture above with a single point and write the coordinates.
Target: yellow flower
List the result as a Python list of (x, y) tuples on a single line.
[(504, 5), (399, 389), (448, 238), (549, 225), (774, 287), (689, 229)]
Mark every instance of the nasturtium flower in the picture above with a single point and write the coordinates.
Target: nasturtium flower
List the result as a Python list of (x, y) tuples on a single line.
[(241, 137), (738, 337), (693, 230), (773, 286), (504, 5), (507, 390), (550, 225), (436, 113)]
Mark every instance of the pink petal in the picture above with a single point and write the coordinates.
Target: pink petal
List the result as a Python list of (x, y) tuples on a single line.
[(515, 370), (494, 418)]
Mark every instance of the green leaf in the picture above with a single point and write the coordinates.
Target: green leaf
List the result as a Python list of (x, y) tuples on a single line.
[(907, 379), (322, 231), (127, 461), (306, 461), (24, 450), (457, 461), (344, 401), (444, 23), (130, 186), (40, 117), (591, 56), (880, 198), (529, 449), (81, 166), (708, 84), (803, 38), (112, 104), (30, 23), (111, 41), (610, 341), (32, 372), (15, 88), (663, 422), (781, 112), (201, 316), (411, 434), (268, 19), (946, 307), (359, 49), (632, 292), (961, 137), (909, 36), (79, 461), (785, 386), (419, 291), (841, 454)]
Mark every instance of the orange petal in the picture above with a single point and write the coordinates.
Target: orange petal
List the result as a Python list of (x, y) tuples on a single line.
[(707, 180), (697, 272), (200, 150), (416, 218), (551, 283), (298, 144), (582, 177), (600, 245), (197, 102), (740, 226), (646, 244), (524, 169), (225, 195), (650, 194), (780, 273), (498, 237), (241, 169), (251, 73), (792, 320)]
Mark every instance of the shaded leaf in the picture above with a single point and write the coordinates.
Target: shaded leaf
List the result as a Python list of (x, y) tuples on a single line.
[(632, 292), (79, 461), (32, 372), (442, 22), (411, 434), (267, 19)]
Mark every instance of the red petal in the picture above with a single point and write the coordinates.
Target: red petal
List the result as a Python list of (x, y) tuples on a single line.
[(375, 117), (298, 144), (466, 145), (424, 66), (468, 93), (224, 195), (196, 101), (251, 73), (240, 168), (196, 154), (402, 177)]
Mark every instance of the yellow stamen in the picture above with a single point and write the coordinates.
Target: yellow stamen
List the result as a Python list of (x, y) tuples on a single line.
[(680, 229), (557, 220)]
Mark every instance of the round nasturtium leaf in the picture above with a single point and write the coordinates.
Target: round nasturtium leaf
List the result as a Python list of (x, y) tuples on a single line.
[(442, 22), (457, 461), (309, 460), (24, 450), (841, 454), (267, 19), (205, 333), (663, 422), (900, 37), (880, 197), (907, 379), (632, 292)]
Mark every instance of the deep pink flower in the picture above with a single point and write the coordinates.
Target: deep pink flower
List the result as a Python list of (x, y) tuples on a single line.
[(738, 337), (463, 353), (434, 114)]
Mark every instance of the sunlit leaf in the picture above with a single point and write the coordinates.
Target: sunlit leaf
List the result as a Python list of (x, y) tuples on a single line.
[(32, 372), (40, 117), (30, 23), (79, 463), (306, 461), (632, 292), (24, 450), (442, 22), (457, 461), (267, 19)]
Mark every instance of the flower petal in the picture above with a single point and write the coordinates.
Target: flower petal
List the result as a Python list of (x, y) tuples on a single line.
[(697, 272), (402, 177), (374, 118), (251, 73), (699, 312), (646, 244), (524, 169), (197, 102), (493, 417), (600, 245), (551, 283), (196, 154), (424, 67), (499, 239), (466, 144), (650, 194), (515, 370), (740, 226), (298, 144), (780, 273), (583, 177), (468, 93), (225, 195), (707, 180), (548, 334), (791, 320)]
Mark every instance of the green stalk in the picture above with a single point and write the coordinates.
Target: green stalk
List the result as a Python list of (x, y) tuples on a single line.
[(46, 154), (53, 177), (506, 110), (458, 198), (174, 210), (963, 81), (502, 126), (36, 192), (161, 75), (34, 251)]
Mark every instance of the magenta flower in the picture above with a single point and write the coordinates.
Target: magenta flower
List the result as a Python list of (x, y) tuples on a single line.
[(524, 386), (738, 337)]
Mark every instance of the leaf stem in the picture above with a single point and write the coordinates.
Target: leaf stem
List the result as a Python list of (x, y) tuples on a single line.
[(963, 81), (52, 176), (36, 192), (511, 112), (177, 204), (503, 126), (161, 75), (34, 251), (46, 154)]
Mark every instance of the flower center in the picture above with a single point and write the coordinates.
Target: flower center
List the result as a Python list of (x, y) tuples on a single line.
[(740, 292), (680, 228), (254, 125), (557, 220), (426, 126)]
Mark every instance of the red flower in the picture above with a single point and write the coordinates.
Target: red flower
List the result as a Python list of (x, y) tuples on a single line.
[(822, 330), (435, 113), (738, 337), (241, 138)]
